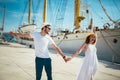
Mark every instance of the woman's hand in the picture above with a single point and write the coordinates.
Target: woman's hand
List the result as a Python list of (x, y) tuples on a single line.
[(68, 58)]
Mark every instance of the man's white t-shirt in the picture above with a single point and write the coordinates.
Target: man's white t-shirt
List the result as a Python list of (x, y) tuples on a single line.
[(41, 44)]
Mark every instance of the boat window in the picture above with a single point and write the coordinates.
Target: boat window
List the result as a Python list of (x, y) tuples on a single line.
[(76, 36), (115, 41), (66, 37)]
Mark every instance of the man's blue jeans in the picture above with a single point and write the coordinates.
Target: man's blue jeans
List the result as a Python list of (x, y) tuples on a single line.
[(46, 63)]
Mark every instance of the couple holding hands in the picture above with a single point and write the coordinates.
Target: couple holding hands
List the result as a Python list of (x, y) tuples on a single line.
[(41, 42)]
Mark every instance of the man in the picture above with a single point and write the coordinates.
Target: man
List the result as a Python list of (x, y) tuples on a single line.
[(41, 41)]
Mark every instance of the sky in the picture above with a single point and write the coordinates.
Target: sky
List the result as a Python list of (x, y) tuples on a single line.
[(59, 15)]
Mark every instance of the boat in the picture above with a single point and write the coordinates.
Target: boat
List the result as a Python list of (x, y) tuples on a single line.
[(24, 29), (69, 41)]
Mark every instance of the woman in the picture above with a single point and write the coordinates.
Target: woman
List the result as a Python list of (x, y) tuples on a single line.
[(90, 63)]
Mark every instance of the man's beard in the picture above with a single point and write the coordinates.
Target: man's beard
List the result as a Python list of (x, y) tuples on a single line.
[(46, 32)]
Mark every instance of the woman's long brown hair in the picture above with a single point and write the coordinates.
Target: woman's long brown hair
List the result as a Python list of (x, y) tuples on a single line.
[(87, 41)]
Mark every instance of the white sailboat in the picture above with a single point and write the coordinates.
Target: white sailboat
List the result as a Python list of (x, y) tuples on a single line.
[(108, 39), (107, 44)]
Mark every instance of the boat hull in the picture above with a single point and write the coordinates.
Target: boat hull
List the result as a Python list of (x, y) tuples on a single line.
[(28, 28), (108, 44)]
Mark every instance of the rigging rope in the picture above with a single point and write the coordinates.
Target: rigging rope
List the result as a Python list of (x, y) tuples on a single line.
[(36, 10), (110, 46), (62, 39), (23, 13), (96, 13), (116, 5), (111, 34), (56, 11), (106, 12), (51, 10), (60, 13)]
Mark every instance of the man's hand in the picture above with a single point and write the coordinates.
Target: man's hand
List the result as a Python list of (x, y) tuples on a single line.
[(66, 59)]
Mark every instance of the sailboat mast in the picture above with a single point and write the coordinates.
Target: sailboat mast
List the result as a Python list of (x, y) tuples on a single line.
[(45, 11), (77, 17), (3, 17), (29, 11)]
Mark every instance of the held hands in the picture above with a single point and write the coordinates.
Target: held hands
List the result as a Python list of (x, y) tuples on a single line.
[(68, 58)]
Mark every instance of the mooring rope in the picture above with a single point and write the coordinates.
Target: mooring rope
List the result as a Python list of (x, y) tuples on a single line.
[(117, 55)]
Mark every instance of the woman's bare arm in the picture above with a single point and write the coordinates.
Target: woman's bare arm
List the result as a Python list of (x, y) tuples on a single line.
[(79, 51)]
